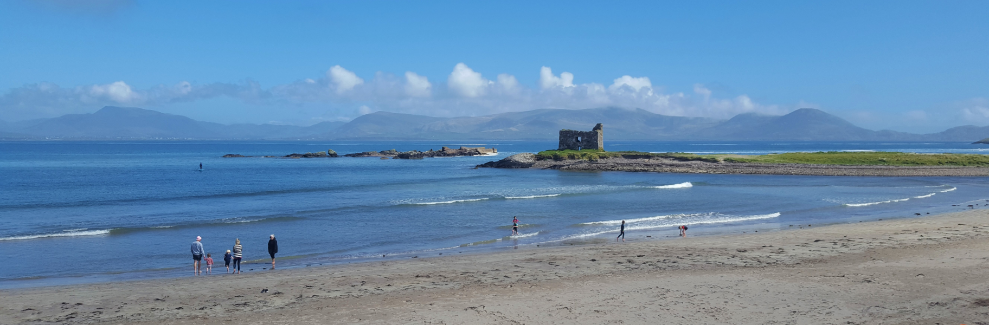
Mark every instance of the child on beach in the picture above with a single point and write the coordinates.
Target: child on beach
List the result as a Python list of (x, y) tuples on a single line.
[(683, 231), (515, 226), (209, 263), (226, 260)]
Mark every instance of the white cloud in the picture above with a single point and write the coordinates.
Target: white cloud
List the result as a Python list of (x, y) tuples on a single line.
[(343, 79), (118, 91), (508, 83), (466, 82), (635, 84), (701, 90), (547, 80), (416, 85), (335, 96)]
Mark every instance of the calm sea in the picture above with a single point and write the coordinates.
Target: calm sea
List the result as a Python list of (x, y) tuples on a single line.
[(103, 211)]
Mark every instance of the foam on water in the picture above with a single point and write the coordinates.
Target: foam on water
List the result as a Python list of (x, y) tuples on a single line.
[(627, 221), (451, 201), (681, 185), (530, 196), (949, 190), (924, 196), (874, 203), (67, 233), (709, 219)]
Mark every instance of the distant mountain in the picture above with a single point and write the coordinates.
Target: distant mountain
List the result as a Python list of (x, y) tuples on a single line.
[(805, 124), (544, 124), (135, 123)]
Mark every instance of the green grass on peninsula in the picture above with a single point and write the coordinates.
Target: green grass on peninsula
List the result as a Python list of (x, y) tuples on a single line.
[(819, 158)]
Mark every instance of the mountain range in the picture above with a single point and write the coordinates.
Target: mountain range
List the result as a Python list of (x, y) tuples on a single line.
[(806, 124)]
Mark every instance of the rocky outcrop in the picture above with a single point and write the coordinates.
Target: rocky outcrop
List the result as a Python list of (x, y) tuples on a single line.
[(672, 165), (522, 160), (319, 154), (415, 154), (233, 155), (983, 141), (383, 153)]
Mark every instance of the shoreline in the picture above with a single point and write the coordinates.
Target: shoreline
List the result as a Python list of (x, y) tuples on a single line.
[(583, 279), (667, 165)]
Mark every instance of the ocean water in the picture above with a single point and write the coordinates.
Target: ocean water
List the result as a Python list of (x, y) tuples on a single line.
[(75, 212)]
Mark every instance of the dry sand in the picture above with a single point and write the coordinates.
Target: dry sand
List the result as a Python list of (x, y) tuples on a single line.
[(925, 270)]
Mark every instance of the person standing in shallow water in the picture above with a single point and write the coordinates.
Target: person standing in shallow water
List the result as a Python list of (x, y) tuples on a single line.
[(515, 226), (272, 249), (622, 233), (197, 254), (683, 231), (238, 251)]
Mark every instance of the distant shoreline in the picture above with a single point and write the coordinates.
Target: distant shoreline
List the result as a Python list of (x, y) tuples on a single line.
[(669, 165)]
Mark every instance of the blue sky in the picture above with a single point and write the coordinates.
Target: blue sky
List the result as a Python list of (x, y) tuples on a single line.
[(904, 65)]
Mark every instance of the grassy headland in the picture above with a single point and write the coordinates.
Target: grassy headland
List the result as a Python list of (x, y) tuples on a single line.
[(816, 158)]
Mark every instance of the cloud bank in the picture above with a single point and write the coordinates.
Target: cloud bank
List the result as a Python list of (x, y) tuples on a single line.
[(341, 93)]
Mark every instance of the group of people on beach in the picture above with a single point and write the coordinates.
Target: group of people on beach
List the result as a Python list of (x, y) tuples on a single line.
[(234, 255)]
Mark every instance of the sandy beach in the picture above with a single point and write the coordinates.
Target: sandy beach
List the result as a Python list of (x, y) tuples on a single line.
[(924, 270)]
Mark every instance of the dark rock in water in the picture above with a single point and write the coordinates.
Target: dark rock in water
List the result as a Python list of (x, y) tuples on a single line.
[(319, 154), (522, 160), (233, 155), (415, 154)]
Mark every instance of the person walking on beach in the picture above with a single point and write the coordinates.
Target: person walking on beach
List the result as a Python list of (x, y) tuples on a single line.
[(683, 231), (226, 260), (209, 263), (238, 254), (622, 233), (515, 226), (272, 249), (197, 254)]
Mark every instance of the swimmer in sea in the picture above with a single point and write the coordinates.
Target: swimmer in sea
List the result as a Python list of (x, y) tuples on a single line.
[(622, 234), (515, 226)]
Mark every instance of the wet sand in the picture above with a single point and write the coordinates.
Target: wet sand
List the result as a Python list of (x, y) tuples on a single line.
[(906, 271)]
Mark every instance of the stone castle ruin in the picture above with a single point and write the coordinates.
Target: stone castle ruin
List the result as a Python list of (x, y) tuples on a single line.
[(577, 140)]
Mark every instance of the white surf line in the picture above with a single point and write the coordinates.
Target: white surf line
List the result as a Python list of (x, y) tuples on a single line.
[(689, 223), (60, 234), (530, 196), (451, 201), (680, 185), (619, 221), (874, 203)]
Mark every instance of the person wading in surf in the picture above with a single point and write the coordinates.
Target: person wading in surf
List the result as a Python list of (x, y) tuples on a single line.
[(622, 234), (515, 226), (272, 249), (197, 254)]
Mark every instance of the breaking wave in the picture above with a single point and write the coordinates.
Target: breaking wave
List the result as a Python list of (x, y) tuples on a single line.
[(66, 233), (874, 203), (681, 185), (450, 202), (530, 196)]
